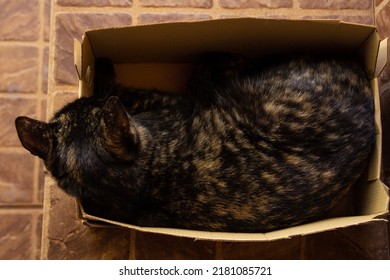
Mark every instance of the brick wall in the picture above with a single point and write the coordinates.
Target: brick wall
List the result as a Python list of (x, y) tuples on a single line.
[(24, 42), (26, 60)]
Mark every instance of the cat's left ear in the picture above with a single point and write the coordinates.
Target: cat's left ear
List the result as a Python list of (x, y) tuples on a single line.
[(119, 130), (34, 136)]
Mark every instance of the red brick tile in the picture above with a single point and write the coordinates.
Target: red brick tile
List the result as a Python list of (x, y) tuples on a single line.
[(69, 238), (147, 18), (41, 182), (384, 79), (88, 243), (60, 99), (10, 108), (242, 4), (16, 173), (383, 21), (158, 246), (69, 26), (95, 3), (388, 232), (177, 3), (19, 71), (367, 241), (385, 117), (16, 235), (19, 20), (336, 4), (285, 249)]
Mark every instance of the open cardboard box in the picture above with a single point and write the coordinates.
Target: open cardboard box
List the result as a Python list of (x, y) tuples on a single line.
[(160, 56)]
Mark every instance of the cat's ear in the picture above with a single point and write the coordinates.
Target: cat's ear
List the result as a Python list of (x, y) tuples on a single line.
[(119, 130), (34, 136)]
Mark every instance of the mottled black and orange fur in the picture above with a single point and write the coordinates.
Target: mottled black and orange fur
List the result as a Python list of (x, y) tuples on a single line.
[(254, 147)]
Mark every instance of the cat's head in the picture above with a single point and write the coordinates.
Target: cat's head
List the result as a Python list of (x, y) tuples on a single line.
[(84, 142)]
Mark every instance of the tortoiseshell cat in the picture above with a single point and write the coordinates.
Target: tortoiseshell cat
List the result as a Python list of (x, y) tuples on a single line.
[(254, 147)]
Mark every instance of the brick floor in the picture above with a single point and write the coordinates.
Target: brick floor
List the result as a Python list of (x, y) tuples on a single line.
[(30, 73)]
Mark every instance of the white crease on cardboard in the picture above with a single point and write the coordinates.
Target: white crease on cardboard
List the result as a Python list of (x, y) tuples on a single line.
[(382, 57)]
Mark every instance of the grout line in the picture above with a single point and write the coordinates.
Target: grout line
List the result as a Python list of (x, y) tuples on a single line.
[(13, 43), (17, 95), (134, 12), (217, 10), (34, 243), (16, 206), (92, 9), (378, 8), (46, 218)]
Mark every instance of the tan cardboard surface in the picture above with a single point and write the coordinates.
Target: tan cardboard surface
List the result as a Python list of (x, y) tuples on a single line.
[(382, 57), (169, 77), (319, 226), (178, 42), (160, 56)]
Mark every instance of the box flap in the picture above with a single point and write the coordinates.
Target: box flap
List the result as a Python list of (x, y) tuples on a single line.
[(382, 57), (77, 57), (375, 160), (85, 63), (374, 199), (182, 41), (316, 227)]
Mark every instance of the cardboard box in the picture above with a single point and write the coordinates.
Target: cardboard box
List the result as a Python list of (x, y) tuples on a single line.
[(160, 56)]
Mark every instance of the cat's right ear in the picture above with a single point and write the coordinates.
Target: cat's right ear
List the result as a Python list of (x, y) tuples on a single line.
[(34, 136), (119, 131)]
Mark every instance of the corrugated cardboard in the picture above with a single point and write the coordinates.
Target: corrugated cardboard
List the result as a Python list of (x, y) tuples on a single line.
[(160, 56)]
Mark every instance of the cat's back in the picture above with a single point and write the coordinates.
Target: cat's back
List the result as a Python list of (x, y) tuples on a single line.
[(312, 111), (294, 135), (314, 98)]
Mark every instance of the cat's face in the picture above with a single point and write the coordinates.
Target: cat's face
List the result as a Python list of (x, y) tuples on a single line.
[(80, 140)]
